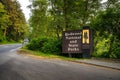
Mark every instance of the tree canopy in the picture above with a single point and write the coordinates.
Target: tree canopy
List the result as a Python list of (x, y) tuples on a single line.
[(13, 26), (56, 16), (50, 17)]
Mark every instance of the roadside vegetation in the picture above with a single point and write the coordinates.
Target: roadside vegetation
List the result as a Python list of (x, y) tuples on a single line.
[(6, 42), (13, 26), (46, 45), (50, 17), (42, 55)]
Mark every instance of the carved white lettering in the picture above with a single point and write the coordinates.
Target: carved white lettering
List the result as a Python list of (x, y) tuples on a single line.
[(72, 34), (69, 38), (73, 45), (73, 49), (73, 41)]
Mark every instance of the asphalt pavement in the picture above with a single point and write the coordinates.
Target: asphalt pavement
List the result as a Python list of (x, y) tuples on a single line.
[(15, 66), (9, 47)]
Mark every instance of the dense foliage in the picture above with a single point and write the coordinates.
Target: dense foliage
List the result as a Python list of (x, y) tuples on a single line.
[(107, 30), (55, 16), (50, 17), (13, 26), (46, 45)]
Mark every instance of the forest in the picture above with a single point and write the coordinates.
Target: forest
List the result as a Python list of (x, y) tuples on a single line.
[(50, 17), (13, 26)]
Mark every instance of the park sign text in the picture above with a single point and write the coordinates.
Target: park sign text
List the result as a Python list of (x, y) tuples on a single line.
[(72, 41), (78, 41)]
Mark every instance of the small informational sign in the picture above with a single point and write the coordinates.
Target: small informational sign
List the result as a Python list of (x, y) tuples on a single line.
[(85, 39), (72, 41), (87, 42)]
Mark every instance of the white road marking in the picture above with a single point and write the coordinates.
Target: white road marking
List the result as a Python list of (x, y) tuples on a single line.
[(5, 46), (12, 50)]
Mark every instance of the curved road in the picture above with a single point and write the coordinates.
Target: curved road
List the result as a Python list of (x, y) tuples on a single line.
[(20, 67)]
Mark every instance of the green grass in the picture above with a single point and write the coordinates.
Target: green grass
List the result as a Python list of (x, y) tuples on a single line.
[(45, 55), (5, 42)]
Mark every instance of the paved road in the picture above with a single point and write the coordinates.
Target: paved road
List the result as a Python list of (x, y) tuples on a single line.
[(20, 67), (9, 48)]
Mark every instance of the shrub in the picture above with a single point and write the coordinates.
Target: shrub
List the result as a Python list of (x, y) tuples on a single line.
[(115, 50), (36, 44), (101, 49), (46, 45), (52, 46)]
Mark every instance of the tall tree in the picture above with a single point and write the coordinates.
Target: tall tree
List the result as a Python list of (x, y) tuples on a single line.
[(72, 14), (18, 26), (59, 15), (38, 20), (4, 20)]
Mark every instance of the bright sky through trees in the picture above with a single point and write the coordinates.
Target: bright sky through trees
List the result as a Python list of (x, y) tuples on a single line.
[(26, 11)]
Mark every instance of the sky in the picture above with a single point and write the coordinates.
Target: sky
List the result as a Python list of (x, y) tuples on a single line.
[(26, 11)]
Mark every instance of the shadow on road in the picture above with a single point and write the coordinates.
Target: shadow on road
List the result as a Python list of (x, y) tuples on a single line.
[(8, 73)]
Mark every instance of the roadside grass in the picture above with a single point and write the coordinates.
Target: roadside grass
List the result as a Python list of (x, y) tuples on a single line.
[(39, 54), (6, 42), (42, 55)]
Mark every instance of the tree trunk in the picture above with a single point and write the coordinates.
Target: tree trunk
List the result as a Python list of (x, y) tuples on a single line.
[(65, 15), (4, 33), (57, 32), (111, 45), (85, 15)]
